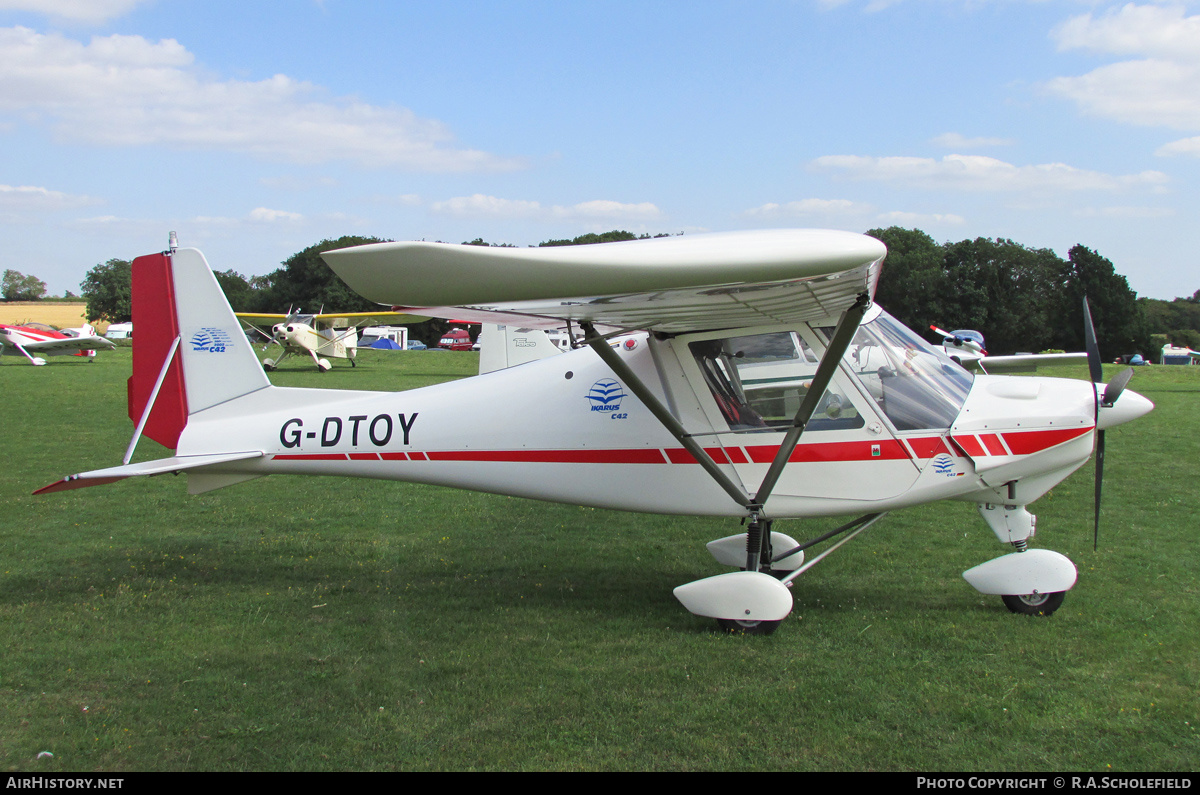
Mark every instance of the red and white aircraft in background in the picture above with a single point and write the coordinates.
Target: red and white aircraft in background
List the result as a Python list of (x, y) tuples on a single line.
[(43, 340), (753, 380)]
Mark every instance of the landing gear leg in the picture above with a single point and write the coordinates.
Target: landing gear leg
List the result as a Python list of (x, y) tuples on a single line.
[(758, 558)]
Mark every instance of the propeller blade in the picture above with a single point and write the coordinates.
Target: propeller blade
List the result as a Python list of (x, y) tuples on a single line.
[(1116, 386), (1099, 486), (1093, 349), (1097, 374)]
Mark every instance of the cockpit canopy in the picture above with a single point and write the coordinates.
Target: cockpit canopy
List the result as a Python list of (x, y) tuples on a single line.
[(760, 380)]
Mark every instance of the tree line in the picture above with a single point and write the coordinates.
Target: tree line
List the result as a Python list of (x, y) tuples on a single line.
[(1020, 298)]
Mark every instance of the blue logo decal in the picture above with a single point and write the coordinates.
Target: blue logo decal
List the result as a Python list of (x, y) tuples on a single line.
[(212, 340), (606, 395), (944, 465)]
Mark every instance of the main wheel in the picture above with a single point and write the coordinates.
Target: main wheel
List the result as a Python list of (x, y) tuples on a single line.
[(269, 365), (323, 365), (1034, 604), (736, 627)]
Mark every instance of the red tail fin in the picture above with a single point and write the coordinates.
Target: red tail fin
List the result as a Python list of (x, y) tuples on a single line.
[(157, 325)]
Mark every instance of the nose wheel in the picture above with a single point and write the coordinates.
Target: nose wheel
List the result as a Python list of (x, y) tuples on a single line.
[(1034, 604)]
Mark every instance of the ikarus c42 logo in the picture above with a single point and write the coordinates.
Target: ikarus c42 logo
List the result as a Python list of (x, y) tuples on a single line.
[(212, 340), (944, 465), (605, 395)]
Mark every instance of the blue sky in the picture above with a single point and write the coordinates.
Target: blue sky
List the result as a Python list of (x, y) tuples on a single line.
[(257, 129)]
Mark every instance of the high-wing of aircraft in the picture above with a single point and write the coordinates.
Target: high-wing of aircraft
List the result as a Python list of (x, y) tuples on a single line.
[(35, 341), (318, 335), (965, 346), (753, 379)]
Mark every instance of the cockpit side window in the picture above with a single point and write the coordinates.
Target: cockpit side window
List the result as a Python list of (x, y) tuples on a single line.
[(759, 382)]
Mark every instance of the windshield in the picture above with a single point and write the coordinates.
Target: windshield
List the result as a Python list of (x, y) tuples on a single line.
[(916, 385)]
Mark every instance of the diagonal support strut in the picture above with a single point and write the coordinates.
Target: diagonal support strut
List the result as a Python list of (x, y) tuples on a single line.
[(600, 345)]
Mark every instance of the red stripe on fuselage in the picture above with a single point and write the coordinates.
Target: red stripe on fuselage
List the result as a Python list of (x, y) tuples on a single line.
[(1019, 442), (637, 456), (1026, 442), (882, 450), (993, 444)]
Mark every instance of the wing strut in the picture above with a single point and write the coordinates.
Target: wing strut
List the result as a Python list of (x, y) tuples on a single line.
[(842, 335), (600, 345)]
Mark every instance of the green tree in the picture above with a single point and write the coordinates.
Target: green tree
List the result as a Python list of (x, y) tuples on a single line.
[(1120, 325), (306, 283), (238, 291), (614, 236), (1004, 290), (912, 283), (1178, 320), (19, 287), (109, 291)]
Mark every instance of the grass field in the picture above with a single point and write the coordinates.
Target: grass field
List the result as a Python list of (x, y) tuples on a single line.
[(330, 624)]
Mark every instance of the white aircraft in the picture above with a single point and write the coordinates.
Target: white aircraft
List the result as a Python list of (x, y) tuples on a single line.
[(874, 420), (966, 347), (44, 340), (1178, 355), (319, 335)]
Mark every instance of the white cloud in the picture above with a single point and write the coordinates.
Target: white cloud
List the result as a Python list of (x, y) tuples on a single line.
[(978, 173), (298, 184), (1159, 88), (900, 218), (953, 140), (1159, 30), (481, 206), (809, 207), (602, 209), (87, 11), (31, 198), (265, 215), (128, 91), (1184, 146)]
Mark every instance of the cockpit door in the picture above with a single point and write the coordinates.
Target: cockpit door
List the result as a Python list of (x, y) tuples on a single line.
[(751, 385)]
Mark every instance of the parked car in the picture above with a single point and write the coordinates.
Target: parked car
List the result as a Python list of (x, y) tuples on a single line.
[(455, 340)]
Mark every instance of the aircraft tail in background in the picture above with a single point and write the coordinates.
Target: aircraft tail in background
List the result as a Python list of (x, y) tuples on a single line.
[(501, 347)]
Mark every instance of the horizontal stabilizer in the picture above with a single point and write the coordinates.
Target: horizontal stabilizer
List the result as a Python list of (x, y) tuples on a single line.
[(179, 463)]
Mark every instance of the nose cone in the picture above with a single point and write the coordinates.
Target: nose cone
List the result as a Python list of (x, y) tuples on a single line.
[(1129, 406)]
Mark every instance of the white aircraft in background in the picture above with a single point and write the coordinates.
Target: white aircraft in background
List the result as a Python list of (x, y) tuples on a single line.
[(44, 340), (965, 346), (851, 413), (1178, 355), (318, 335)]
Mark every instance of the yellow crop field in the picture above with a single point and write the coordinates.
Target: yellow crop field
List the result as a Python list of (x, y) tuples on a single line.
[(59, 315)]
